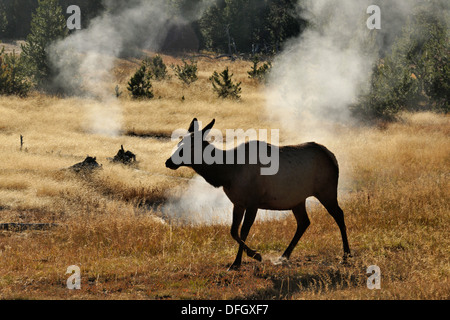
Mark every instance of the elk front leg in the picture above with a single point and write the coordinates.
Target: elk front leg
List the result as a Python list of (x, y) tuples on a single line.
[(249, 218), (250, 215)]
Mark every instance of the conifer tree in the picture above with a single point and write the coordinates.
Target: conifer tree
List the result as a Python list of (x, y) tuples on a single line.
[(3, 19), (140, 85), (47, 25), (12, 79), (223, 85), (187, 73)]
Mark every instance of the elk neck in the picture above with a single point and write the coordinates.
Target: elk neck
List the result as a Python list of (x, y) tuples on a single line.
[(216, 174)]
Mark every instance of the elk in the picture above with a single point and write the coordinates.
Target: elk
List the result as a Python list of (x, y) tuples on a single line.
[(305, 170)]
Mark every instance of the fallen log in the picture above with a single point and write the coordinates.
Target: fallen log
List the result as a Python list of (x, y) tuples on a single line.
[(20, 227), (229, 56), (88, 165)]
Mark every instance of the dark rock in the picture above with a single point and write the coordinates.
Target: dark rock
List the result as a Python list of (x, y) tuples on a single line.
[(88, 165), (124, 157)]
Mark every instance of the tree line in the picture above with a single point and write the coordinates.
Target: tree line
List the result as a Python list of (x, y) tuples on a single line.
[(414, 74), (230, 26), (16, 15)]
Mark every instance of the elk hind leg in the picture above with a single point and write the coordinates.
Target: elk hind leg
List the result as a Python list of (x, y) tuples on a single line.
[(336, 212), (302, 224)]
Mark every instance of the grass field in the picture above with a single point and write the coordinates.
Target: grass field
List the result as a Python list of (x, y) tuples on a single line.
[(394, 193)]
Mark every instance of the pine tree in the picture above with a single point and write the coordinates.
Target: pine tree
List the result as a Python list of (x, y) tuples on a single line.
[(47, 25), (223, 85), (12, 79), (187, 73), (3, 19), (259, 73), (156, 67), (140, 85)]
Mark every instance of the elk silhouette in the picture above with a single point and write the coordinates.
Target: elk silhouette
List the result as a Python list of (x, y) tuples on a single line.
[(305, 170)]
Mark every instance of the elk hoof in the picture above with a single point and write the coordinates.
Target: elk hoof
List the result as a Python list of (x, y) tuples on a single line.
[(345, 258), (257, 256), (234, 267)]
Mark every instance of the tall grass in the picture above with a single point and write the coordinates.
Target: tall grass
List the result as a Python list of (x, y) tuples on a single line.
[(394, 192)]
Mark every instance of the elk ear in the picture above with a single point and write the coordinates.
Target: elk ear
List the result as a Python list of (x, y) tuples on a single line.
[(194, 126), (208, 127)]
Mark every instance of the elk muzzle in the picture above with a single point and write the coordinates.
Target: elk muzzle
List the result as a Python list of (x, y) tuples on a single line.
[(171, 165)]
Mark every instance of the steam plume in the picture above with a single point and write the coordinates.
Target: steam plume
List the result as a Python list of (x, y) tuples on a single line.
[(85, 59), (203, 204), (319, 74)]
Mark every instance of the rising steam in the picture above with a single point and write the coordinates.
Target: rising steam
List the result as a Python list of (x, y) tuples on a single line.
[(321, 73), (85, 59), (203, 204)]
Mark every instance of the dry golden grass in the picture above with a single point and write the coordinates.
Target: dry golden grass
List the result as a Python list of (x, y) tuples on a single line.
[(394, 192)]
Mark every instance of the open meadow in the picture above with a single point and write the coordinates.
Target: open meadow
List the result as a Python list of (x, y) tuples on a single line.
[(394, 190)]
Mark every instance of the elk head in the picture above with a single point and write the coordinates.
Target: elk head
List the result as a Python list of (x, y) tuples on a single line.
[(190, 149)]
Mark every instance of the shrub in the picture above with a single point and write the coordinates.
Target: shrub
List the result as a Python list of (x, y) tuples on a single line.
[(117, 91), (223, 85), (48, 24), (140, 84), (12, 78), (259, 73), (187, 73), (388, 92), (157, 67)]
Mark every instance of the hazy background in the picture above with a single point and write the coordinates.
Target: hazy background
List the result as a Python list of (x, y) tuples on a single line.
[(314, 78)]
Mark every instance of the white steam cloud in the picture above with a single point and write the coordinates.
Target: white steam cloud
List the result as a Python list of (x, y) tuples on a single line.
[(202, 204), (321, 73), (86, 58)]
